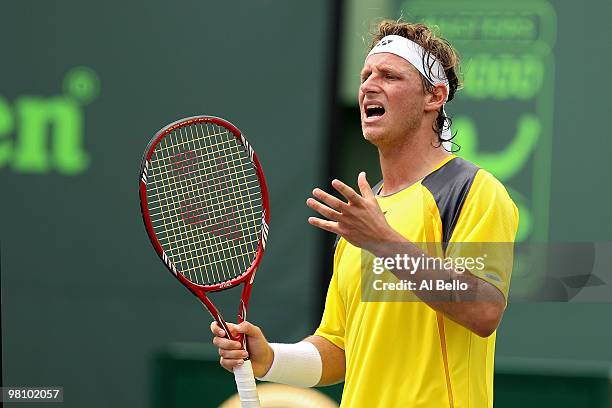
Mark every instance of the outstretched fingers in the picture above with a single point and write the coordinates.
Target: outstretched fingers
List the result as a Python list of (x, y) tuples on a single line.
[(324, 210), (364, 186), (351, 195), (331, 226)]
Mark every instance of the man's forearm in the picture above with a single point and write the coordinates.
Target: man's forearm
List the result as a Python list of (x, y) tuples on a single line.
[(333, 359), (479, 308)]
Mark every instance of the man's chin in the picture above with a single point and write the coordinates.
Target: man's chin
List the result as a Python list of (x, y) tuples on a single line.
[(372, 134)]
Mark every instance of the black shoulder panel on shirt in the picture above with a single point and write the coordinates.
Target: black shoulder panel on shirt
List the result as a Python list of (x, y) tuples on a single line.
[(449, 185)]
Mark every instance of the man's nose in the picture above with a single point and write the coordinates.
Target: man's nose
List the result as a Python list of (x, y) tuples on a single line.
[(370, 85)]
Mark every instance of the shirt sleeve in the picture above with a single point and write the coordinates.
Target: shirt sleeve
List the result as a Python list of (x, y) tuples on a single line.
[(485, 232), (333, 322)]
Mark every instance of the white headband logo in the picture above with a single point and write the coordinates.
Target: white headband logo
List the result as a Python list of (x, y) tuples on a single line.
[(416, 55)]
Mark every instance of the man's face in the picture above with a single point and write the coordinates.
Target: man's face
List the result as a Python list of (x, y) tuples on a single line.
[(391, 99)]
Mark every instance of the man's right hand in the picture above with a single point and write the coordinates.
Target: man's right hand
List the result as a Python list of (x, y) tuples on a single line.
[(232, 354)]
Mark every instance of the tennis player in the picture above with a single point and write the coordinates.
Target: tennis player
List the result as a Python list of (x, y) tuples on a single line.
[(436, 352)]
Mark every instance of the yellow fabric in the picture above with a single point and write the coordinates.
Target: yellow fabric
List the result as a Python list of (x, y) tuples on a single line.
[(400, 354)]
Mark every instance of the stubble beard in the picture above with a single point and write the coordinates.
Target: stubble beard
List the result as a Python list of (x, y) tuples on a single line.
[(391, 138)]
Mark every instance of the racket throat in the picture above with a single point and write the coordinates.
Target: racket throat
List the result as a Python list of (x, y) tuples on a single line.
[(214, 313), (242, 310)]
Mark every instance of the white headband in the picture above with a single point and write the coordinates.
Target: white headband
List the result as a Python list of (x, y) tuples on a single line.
[(422, 60)]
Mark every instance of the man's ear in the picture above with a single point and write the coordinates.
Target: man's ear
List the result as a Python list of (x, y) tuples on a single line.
[(434, 100)]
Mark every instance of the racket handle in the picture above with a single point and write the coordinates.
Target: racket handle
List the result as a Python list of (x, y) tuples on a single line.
[(245, 381)]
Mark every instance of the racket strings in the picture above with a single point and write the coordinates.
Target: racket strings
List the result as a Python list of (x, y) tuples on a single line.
[(191, 264), (185, 160), (205, 203)]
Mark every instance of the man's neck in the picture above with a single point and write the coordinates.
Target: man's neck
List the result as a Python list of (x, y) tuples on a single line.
[(404, 164)]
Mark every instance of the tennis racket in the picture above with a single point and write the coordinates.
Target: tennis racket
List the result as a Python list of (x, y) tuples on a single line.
[(204, 202)]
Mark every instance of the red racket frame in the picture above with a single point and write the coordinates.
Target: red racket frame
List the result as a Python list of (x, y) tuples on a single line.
[(249, 275)]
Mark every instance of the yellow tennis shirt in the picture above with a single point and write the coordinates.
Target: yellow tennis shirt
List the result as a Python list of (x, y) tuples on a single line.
[(405, 354)]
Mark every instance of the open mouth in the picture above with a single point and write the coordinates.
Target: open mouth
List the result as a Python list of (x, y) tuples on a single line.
[(374, 111)]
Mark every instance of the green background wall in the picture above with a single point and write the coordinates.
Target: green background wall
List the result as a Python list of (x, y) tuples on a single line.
[(85, 300)]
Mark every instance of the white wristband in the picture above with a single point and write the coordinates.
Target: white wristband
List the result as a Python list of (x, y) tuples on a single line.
[(295, 364)]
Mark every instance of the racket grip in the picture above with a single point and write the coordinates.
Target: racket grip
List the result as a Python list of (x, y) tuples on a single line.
[(245, 382)]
